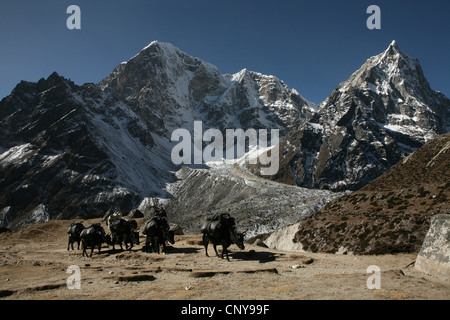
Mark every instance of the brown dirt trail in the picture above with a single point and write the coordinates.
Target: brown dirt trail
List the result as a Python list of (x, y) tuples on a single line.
[(34, 263)]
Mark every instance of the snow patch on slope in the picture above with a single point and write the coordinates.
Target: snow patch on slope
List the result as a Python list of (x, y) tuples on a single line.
[(16, 154)]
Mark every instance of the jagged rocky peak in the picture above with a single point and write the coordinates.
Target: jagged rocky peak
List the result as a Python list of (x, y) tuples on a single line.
[(394, 45), (271, 89), (264, 101), (156, 64), (382, 113), (32, 88), (391, 89), (392, 65)]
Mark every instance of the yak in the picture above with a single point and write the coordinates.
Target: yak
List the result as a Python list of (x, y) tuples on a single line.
[(74, 234), (93, 236), (221, 230), (123, 231), (157, 232)]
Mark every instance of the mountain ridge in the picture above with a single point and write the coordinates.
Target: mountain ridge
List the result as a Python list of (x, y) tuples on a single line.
[(70, 150)]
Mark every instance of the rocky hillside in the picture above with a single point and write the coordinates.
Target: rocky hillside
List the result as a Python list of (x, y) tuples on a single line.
[(382, 113), (391, 214)]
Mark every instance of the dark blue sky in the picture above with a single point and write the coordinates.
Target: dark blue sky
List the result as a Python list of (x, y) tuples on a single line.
[(311, 45)]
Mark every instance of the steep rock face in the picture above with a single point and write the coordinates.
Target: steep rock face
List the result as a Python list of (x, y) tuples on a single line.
[(382, 113), (68, 150)]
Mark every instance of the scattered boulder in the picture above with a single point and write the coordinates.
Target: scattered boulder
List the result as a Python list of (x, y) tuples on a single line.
[(135, 213), (282, 239)]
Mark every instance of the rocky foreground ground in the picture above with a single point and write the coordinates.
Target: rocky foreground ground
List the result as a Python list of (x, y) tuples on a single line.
[(34, 261)]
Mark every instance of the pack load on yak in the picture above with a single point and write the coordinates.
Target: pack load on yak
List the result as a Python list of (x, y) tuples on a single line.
[(157, 231), (219, 221), (160, 218)]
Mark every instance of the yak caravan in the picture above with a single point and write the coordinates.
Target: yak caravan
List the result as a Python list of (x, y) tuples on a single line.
[(257, 144)]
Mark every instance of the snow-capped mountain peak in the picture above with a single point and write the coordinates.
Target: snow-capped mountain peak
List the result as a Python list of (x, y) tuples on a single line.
[(384, 111), (393, 44), (390, 65), (405, 99)]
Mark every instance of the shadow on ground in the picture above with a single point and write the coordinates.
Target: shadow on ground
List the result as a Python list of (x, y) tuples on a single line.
[(252, 255)]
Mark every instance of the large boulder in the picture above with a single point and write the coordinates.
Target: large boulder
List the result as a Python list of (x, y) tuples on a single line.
[(282, 239), (434, 256)]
